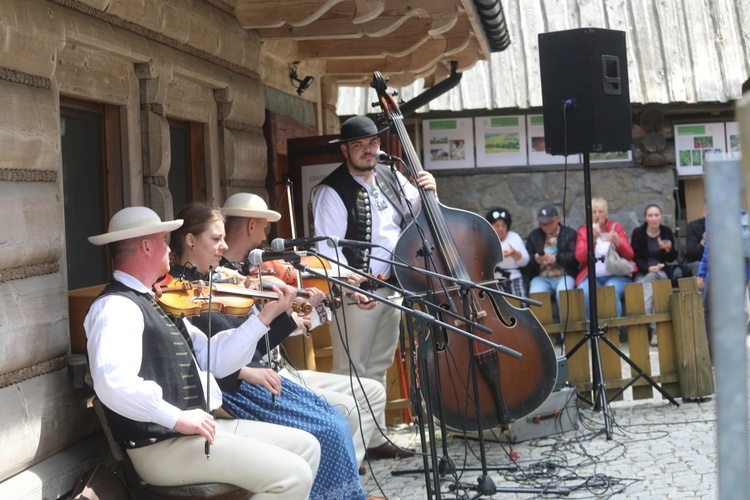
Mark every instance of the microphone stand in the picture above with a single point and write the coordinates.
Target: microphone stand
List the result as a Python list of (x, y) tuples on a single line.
[(419, 323), (485, 485), (427, 318)]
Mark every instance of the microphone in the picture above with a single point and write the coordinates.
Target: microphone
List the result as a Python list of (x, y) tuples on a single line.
[(384, 157), (279, 244), (258, 256), (335, 241)]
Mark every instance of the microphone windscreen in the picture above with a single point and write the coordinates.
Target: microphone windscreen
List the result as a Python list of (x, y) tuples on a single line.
[(277, 245)]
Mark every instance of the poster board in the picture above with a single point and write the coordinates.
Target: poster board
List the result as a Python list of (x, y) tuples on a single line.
[(693, 141), (311, 175), (611, 156), (733, 137), (448, 143), (500, 140), (535, 139)]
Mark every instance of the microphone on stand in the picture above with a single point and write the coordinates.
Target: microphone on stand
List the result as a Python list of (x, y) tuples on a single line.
[(335, 241), (280, 244), (258, 256), (384, 157)]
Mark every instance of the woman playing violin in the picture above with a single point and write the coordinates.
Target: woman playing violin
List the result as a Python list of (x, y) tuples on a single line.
[(258, 393)]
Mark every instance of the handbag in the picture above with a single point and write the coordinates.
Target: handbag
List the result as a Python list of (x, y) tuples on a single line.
[(616, 264)]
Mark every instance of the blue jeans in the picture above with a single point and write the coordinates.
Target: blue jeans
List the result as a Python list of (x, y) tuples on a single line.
[(616, 281), (540, 284)]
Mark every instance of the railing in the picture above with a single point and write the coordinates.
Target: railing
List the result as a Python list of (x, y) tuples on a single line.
[(683, 365)]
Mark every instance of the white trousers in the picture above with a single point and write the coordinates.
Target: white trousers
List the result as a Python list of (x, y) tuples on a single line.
[(371, 337), (358, 401), (272, 461)]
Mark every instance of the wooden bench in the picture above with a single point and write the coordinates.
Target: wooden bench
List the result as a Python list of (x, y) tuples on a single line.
[(144, 491)]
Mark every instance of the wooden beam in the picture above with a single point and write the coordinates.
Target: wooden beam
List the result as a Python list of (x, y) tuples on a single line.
[(339, 21), (254, 14)]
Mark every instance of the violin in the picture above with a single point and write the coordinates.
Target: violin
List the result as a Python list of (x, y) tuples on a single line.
[(289, 275), (180, 297)]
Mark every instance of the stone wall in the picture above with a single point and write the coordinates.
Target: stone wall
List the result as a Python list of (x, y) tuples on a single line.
[(627, 189)]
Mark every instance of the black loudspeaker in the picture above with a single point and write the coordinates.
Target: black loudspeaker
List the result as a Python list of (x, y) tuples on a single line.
[(585, 91)]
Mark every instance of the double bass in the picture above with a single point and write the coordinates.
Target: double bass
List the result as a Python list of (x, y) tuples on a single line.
[(509, 388)]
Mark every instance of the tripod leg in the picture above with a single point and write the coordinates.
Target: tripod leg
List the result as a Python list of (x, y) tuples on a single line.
[(641, 373)]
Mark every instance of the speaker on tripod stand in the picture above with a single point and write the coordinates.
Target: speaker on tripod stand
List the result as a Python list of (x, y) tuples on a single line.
[(586, 100)]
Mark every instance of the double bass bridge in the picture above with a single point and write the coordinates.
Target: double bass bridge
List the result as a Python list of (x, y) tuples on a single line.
[(474, 317)]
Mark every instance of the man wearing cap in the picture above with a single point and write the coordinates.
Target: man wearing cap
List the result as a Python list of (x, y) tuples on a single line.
[(553, 265), (137, 355), (247, 219), (362, 200)]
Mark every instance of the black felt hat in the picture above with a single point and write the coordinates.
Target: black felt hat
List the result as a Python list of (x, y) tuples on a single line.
[(357, 127)]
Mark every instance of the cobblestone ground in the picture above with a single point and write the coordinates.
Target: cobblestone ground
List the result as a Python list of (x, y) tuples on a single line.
[(657, 450)]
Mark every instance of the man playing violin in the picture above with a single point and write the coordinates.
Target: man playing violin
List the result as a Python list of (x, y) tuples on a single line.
[(137, 355), (247, 219), (257, 392), (362, 200)]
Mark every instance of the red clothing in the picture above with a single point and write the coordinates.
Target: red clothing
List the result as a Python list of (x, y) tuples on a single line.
[(582, 248)]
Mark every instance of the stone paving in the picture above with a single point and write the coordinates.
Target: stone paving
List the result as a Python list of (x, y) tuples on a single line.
[(657, 450)]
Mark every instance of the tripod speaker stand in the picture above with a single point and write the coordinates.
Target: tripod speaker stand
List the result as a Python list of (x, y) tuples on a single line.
[(587, 109)]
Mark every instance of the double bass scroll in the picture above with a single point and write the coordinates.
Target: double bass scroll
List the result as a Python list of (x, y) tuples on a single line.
[(509, 388)]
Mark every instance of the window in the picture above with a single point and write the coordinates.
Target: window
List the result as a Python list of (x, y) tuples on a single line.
[(187, 172), (92, 186)]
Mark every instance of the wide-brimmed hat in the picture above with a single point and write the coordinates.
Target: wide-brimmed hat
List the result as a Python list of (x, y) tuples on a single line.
[(357, 127), (547, 213), (132, 222), (249, 205)]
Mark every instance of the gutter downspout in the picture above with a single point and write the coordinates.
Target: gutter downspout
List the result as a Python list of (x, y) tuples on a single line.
[(433, 92)]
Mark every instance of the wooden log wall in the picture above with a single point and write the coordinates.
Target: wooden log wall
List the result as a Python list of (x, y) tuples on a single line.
[(153, 60)]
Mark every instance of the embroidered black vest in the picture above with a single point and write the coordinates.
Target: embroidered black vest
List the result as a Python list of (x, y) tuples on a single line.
[(357, 203), (168, 360)]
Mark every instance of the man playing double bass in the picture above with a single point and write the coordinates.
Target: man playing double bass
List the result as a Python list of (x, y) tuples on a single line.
[(365, 201)]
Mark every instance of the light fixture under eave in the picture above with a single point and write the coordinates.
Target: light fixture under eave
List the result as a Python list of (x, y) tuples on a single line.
[(302, 84)]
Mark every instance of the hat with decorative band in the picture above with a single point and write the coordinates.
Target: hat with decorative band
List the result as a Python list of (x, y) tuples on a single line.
[(133, 222)]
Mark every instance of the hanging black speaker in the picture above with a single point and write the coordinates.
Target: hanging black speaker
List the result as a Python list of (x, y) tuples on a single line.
[(585, 91)]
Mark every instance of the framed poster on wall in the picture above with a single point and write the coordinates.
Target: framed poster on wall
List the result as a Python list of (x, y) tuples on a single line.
[(693, 141), (611, 156), (311, 177), (535, 139), (501, 141), (448, 143), (733, 136)]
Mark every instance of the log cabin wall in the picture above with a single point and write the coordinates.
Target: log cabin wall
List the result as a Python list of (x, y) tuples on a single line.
[(153, 60)]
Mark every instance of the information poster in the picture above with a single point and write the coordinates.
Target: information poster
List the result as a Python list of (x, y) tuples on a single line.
[(611, 156), (733, 137), (448, 143), (311, 177), (501, 141), (693, 142), (537, 152)]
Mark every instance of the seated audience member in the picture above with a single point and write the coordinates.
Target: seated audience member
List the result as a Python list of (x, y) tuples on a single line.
[(552, 264), (653, 247), (515, 256), (257, 392), (137, 355), (606, 233), (695, 243)]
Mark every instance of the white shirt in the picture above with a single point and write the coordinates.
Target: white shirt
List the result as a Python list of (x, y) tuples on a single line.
[(513, 239), (114, 329), (331, 220)]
